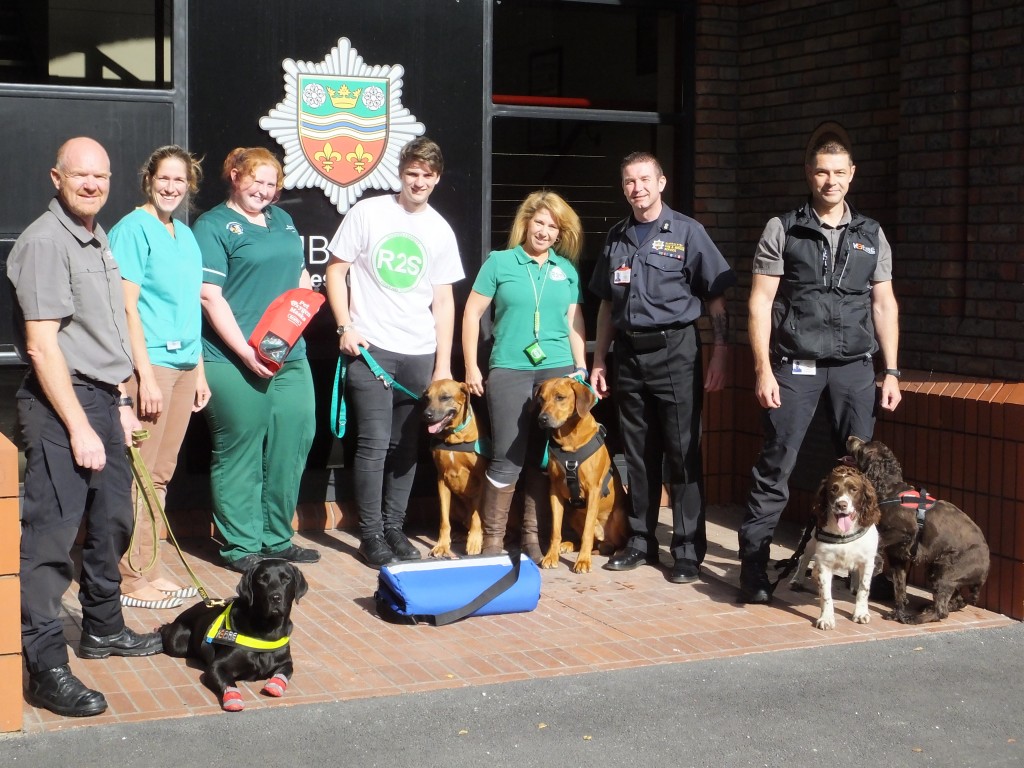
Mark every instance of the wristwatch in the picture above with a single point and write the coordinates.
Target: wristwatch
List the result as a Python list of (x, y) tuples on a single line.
[(342, 329), (893, 372), (125, 402)]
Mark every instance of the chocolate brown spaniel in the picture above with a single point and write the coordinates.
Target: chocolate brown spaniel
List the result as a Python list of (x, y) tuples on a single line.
[(940, 536)]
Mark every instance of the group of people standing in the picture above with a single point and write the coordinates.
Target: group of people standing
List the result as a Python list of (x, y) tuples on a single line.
[(153, 325)]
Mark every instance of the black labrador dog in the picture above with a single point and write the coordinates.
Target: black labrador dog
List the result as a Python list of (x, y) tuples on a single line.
[(246, 640)]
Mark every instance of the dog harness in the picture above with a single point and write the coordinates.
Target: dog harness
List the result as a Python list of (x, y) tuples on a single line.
[(921, 503), (570, 462), (220, 632)]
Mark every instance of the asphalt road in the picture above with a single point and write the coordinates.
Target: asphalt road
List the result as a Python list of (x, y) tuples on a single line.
[(951, 699)]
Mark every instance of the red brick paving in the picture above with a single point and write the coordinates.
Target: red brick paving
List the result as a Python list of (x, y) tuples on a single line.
[(584, 623)]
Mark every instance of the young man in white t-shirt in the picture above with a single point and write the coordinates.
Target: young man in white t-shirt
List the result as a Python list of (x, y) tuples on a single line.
[(401, 258)]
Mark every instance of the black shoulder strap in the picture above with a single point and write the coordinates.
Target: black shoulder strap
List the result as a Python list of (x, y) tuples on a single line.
[(501, 585)]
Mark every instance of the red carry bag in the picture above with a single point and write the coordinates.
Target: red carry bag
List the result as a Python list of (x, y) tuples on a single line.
[(282, 325)]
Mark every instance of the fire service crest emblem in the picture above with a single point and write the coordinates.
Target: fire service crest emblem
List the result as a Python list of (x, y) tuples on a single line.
[(341, 125)]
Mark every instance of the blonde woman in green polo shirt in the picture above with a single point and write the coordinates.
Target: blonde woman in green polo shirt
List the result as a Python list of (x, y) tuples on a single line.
[(538, 334)]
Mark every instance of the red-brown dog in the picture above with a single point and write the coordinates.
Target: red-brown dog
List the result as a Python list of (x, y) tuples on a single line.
[(460, 469), (593, 486)]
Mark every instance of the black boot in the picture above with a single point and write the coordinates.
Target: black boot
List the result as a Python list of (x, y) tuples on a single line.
[(64, 694), (400, 544), (376, 553), (754, 584), (127, 642)]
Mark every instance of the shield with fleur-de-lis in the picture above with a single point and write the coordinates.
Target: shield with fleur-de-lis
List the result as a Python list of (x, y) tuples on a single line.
[(343, 124)]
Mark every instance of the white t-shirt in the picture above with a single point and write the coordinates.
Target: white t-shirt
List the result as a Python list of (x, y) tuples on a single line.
[(397, 258)]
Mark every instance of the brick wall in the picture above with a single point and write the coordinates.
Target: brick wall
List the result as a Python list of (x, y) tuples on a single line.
[(932, 95)]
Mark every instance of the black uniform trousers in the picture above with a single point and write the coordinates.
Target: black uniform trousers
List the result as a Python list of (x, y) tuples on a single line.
[(58, 493), (659, 395), (852, 401)]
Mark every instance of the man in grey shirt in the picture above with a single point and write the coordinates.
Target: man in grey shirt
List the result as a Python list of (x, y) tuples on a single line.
[(821, 311), (75, 422)]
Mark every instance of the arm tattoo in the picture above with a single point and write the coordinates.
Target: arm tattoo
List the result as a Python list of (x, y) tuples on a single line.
[(720, 328)]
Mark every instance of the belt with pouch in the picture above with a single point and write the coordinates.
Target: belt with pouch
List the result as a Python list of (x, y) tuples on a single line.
[(651, 340)]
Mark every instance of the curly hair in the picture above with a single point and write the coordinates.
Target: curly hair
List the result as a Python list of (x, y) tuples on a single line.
[(246, 160)]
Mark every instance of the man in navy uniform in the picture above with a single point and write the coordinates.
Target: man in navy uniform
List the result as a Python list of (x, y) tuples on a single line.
[(659, 269)]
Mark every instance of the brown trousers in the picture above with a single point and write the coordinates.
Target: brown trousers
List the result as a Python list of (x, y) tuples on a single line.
[(160, 454)]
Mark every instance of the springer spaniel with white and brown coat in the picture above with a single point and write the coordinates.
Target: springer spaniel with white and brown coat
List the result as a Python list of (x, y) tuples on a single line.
[(845, 539)]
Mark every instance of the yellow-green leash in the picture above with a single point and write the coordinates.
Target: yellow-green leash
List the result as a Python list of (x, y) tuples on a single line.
[(144, 483)]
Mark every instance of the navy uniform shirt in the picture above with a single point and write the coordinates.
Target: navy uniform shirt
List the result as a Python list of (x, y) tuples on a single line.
[(671, 271)]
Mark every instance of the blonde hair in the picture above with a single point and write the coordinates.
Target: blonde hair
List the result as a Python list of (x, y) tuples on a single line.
[(246, 160), (570, 235)]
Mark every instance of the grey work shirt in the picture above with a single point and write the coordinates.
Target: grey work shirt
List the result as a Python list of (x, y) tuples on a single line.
[(770, 248), (62, 271)]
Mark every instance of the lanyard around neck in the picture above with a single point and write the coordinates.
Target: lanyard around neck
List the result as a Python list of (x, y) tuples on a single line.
[(537, 295)]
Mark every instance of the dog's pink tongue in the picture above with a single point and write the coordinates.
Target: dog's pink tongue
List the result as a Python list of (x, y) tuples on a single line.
[(845, 523), (435, 428)]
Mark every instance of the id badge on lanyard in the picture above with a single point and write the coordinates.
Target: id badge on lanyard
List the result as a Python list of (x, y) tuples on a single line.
[(621, 275)]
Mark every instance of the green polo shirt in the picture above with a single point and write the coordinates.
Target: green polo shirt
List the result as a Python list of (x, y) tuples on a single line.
[(518, 286), (253, 265)]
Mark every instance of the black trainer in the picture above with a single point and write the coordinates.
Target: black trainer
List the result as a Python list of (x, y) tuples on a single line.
[(127, 642), (400, 545), (63, 694), (242, 564), (375, 552), (297, 554)]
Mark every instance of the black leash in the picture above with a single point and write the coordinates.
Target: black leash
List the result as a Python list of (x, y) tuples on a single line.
[(787, 565)]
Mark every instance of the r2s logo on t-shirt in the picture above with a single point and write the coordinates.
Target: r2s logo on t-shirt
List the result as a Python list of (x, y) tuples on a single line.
[(399, 262)]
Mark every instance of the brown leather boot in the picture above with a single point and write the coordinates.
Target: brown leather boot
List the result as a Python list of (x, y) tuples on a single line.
[(494, 511), (536, 502)]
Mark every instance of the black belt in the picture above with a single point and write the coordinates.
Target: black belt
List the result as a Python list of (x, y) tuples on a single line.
[(79, 380), (650, 340), (648, 333)]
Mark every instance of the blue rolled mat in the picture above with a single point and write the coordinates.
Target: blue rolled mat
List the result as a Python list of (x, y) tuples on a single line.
[(442, 591)]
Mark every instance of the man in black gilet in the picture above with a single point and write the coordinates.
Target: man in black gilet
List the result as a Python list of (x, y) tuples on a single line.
[(821, 309)]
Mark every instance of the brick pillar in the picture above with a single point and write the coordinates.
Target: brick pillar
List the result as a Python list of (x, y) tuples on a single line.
[(11, 699)]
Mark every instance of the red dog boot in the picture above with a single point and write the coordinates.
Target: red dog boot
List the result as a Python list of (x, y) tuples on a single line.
[(276, 686), (232, 700)]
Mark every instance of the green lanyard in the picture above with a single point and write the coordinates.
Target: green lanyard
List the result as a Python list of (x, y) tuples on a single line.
[(537, 296)]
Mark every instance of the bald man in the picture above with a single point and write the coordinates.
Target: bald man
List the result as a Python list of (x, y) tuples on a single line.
[(75, 420)]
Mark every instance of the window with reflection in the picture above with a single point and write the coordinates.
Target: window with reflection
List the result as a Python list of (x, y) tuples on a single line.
[(109, 43)]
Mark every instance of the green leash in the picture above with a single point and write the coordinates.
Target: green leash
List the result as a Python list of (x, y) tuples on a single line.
[(339, 416)]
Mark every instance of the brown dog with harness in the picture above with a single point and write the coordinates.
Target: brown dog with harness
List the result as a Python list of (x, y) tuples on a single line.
[(455, 445), (916, 529), (581, 473)]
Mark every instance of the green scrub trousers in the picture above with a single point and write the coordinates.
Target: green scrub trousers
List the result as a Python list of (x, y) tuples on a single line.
[(261, 430)]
